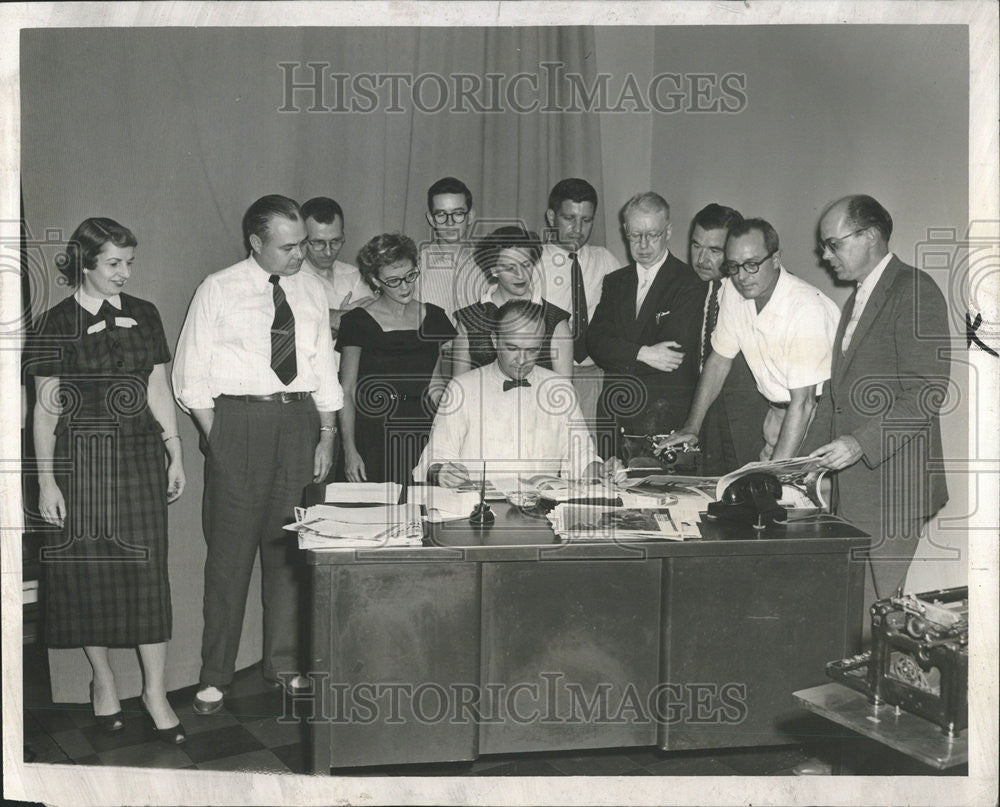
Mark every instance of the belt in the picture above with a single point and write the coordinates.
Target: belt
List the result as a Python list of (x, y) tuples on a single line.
[(280, 397)]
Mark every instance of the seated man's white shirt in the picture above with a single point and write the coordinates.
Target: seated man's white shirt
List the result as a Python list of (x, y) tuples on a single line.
[(555, 270), (339, 281), (789, 344), (535, 429)]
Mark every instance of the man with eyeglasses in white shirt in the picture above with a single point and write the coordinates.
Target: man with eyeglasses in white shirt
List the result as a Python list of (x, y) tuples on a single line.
[(572, 273), (324, 219), (449, 277), (784, 328)]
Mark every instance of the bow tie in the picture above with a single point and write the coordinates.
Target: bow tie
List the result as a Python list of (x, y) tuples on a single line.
[(508, 384)]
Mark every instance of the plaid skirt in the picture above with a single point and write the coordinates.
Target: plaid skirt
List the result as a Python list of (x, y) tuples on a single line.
[(105, 575)]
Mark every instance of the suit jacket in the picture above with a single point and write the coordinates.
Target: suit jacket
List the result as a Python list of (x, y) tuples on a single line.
[(886, 391), (635, 395)]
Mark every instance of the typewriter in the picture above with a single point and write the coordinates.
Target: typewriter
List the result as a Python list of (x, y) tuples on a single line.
[(919, 659)]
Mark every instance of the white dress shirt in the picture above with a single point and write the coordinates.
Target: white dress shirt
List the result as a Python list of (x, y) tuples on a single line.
[(865, 288), (449, 277), (555, 277), (789, 344), (341, 280), (225, 344), (644, 279), (536, 429)]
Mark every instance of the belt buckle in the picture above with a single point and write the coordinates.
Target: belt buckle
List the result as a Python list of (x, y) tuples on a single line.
[(284, 397)]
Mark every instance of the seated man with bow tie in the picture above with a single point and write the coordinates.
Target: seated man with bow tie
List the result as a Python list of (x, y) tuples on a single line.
[(515, 416)]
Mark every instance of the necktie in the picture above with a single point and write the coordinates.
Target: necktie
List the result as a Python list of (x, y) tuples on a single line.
[(711, 318), (579, 312), (509, 384), (857, 308), (282, 336), (107, 313)]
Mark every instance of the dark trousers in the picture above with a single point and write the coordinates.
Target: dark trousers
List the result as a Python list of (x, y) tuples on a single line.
[(888, 562), (260, 457)]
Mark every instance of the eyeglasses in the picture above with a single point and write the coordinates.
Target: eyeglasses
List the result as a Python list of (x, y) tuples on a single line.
[(834, 244), (732, 268), (396, 282), (449, 216), (649, 238), (323, 246)]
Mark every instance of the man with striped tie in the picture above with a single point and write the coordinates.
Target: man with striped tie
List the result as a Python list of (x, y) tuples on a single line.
[(732, 434), (255, 368)]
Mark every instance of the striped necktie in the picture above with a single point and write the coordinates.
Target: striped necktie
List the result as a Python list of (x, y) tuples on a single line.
[(579, 312), (282, 336), (711, 318)]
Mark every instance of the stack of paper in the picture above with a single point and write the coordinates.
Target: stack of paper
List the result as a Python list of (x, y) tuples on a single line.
[(364, 492), (326, 526), (443, 504)]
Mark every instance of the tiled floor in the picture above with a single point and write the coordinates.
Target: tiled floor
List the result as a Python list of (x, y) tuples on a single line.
[(246, 736)]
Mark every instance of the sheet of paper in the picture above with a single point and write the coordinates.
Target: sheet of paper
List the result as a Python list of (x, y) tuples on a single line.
[(363, 492)]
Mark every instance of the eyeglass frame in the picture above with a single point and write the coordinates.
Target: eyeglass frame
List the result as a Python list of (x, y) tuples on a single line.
[(745, 265), (450, 216), (826, 243), (637, 238), (325, 244), (395, 282)]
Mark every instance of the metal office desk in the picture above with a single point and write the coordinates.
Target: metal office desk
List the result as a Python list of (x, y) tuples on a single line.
[(504, 640)]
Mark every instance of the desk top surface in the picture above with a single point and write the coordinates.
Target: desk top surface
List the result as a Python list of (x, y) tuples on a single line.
[(896, 728), (527, 535)]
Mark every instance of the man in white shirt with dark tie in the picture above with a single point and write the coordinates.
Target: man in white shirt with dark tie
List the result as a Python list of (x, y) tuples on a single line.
[(572, 274), (255, 368), (517, 417)]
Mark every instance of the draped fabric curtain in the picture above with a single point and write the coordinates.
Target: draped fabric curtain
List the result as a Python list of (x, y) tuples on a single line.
[(175, 131)]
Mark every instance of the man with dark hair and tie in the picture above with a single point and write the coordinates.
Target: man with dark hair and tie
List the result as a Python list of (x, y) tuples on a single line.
[(645, 334), (731, 435), (572, 274), (522, 417), (255, 368)]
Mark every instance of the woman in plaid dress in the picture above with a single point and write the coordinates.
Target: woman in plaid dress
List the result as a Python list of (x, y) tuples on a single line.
[(109, 458)]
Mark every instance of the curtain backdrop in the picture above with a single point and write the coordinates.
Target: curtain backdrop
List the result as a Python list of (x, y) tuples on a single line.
[(174, 132)]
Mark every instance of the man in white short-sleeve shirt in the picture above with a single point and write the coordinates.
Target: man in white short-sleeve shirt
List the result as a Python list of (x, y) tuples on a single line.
[(324, 219), (785, 329)]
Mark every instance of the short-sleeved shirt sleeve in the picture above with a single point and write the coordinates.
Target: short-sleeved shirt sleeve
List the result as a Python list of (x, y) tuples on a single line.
[(725, 341)]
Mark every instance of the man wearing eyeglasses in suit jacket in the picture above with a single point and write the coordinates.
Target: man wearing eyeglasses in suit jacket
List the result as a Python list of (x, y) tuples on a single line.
[(644, 334), (880, 426)]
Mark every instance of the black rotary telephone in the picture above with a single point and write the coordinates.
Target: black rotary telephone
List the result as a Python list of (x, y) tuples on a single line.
[(752, 500)]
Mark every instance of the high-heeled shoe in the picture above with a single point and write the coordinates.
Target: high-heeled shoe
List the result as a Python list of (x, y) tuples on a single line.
[(175, 735), (109, 724)]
